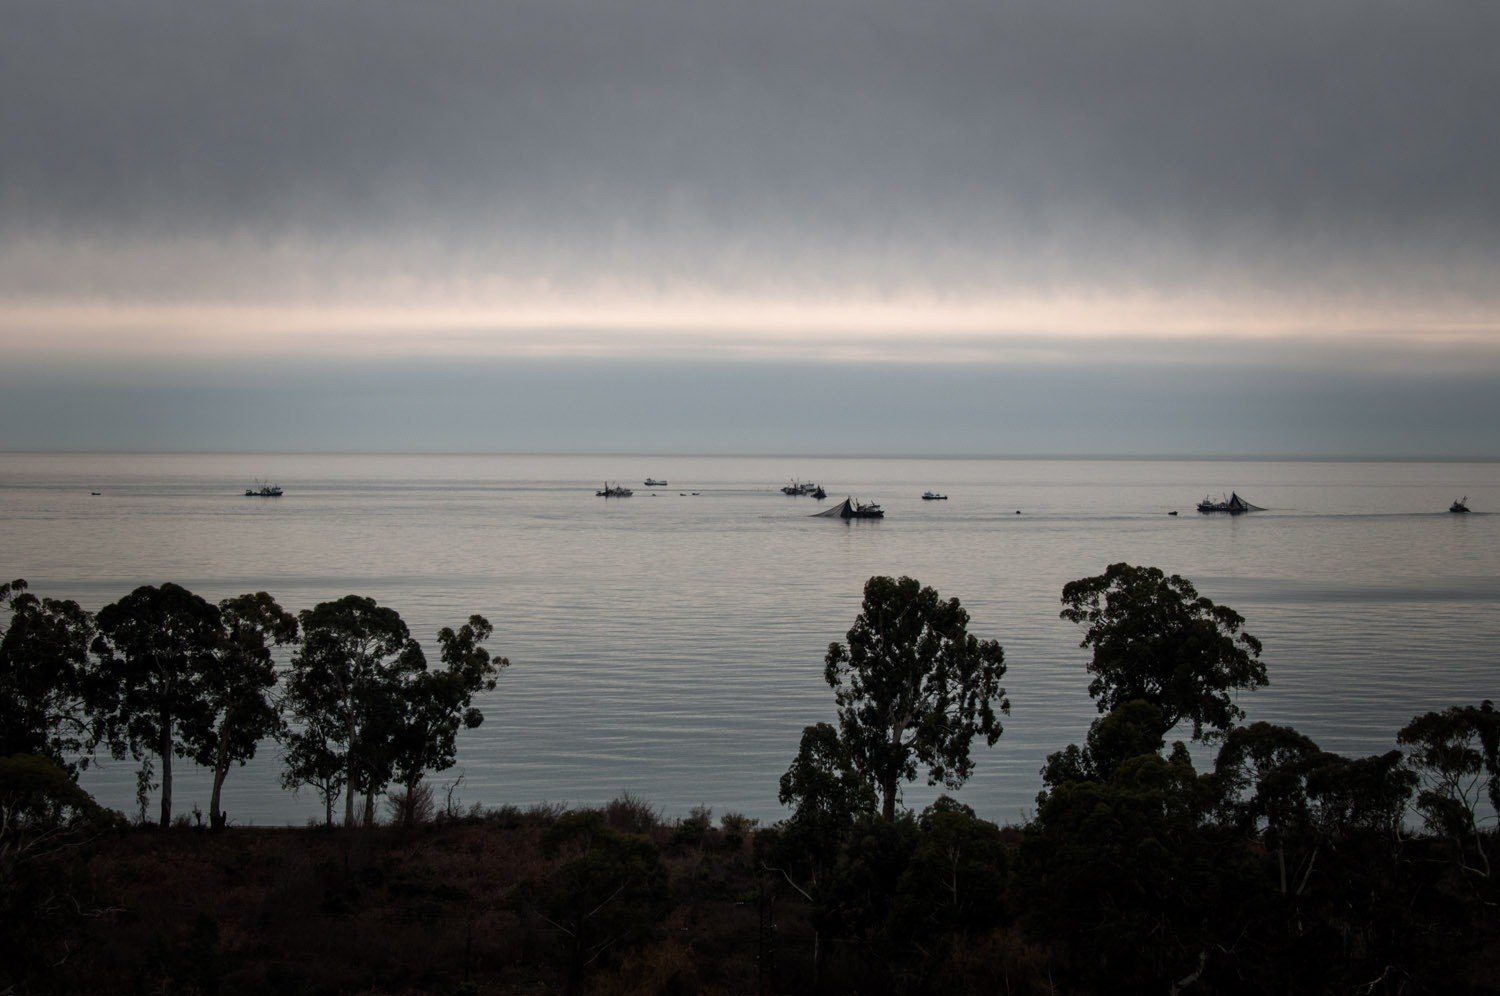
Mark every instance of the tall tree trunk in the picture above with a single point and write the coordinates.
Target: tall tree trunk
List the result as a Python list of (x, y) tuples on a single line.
[(216, 815), (221, 771), (165, 750), (888, 799), (349, 780), (409, 805)]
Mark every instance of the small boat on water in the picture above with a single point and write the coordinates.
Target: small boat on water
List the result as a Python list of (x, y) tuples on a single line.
[(1462, 505), (263, 491), (851, 509), (820, 494), (652, 482), (933, 496), (1233, 505), (801, 488), (617, 491)]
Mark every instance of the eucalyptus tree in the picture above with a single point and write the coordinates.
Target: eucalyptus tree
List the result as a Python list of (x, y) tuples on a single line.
[(312, 756), (44, 677), (1156, 639), (343, 694), (914, 688), (1262, 772), (437, 703), (827, 796), (1456, 754), (156, 648), (822, 785), (238, 684), (1130, 730)]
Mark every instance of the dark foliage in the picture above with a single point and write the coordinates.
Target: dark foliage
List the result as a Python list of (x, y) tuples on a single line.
[(46, 676), (1156, 639), (914, 688)]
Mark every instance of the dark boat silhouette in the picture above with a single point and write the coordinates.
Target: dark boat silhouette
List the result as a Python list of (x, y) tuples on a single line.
[(1233, 505), (851, 509)]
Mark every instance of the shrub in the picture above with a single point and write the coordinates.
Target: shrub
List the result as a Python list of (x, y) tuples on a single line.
[(692, 828), (736, 827), (411, 808), (631, 814)]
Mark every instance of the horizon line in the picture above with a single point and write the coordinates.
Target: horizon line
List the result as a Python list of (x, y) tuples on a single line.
[(769, 455)]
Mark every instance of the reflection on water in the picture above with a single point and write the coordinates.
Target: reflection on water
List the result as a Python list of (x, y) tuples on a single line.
[(671, 645)]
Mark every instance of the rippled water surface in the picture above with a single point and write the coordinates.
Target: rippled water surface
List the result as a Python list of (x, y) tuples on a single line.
[(670, 644)]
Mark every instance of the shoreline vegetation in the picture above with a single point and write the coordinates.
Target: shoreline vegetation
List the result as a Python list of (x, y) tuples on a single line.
[(1282, 868)]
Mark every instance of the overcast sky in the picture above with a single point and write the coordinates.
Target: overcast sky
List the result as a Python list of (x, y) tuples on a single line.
[(775, 226)]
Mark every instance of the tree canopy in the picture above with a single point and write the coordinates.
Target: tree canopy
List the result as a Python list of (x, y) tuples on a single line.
[(1156, 639), (238, 683), (1456, 753), (437, 703), (914, 688), (343, 694), (155, 649), (44, 677)]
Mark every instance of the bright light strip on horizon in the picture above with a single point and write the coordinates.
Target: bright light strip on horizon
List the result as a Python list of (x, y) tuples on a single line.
[(702, 327)]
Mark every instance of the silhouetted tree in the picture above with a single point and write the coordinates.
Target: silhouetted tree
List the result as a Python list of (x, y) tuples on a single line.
[(343, 694), (1365, 795), (155, 650), (237, 681), (436, 703), (914, 688), (313, 755), (43, 815), (44, 672), (1262, 771), (822, 785), (1129, 730), (827, 796), (1122, 875), (956, 879), (1456, 753), (1155, 638)]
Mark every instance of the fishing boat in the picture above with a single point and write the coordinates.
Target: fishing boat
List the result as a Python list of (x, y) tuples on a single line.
[(263, 491), (851, 509), (933, 496), (800, 488), (617, 491), (820, 494), (1233, 505), (652, 482), (1462, 505)]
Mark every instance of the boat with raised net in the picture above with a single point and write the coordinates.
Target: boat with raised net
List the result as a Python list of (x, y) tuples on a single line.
[(1233, 505), (851, 509)]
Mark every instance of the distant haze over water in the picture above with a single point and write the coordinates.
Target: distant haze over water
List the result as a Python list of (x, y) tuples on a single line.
[(671, 645)]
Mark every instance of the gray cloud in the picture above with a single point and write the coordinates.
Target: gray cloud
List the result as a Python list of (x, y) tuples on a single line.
[(1337, 146)]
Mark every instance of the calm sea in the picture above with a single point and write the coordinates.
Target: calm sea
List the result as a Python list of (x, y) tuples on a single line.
[(670, 644)]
